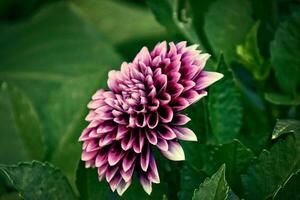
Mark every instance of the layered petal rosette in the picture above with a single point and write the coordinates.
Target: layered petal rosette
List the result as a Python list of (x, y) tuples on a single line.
[(141, 111)]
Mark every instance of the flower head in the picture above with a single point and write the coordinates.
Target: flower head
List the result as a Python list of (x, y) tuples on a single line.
[(141, 111)]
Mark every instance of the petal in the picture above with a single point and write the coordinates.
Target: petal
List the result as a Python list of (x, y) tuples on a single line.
[(127, 175), (174, 89), (162, 144), (205, 79), (166, 132), (165, 113), (85, 156), (101, 159), (152, 173), (192, 96), (122, 131), (139, 141), (110, 172), (127, 141), (122, 187), (115, 182), (147, 186), (180, 119), (144, 158), (152, 120), (179, 104), (128, 161), (115, 155), (185, 134), (174, 152), (151, 136), (143, 56)]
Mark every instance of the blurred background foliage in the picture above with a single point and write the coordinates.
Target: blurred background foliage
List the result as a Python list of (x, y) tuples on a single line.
[(55, 53)]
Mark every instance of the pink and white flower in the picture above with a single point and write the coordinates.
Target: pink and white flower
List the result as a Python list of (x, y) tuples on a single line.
[(141, 111)]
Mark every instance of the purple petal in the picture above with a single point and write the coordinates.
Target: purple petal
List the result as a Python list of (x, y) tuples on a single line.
[(85, 156), (127, 141), (110, 172), (162, 144), (179, 104), (165, 113), (205, 79), (123, 186), (115, 155), (151, 136), (152, 120), (115, 182), (139, 141), (180, 119), (147, 186), (145, 156), (185, 134), (128, 161), (152, 173), (166, 132), (174, 152)]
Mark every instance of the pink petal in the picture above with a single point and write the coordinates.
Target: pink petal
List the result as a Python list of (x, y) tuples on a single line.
[(123, 186), (166, 132), (180, 119), (205, 79), (174, 152), (165, 113), (147, 186), (186, 134), (144, 158), (152, 120)]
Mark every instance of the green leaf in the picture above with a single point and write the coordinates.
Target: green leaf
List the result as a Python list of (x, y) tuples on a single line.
[(213, 188), (189, 179), (21, 138), (284, 126), (224, 106), (285, 50), (38, 180), (291, 189), (282, 99), (226, 25), (174, 17), (250, 55), (278, 164), (57, 60), (236, 157), (118, 20)]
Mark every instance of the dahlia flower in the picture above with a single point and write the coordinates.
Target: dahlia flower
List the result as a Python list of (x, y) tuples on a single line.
[(141, 111)]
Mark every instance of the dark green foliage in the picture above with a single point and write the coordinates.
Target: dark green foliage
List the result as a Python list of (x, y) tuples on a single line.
[(38, 181), (55, 54)]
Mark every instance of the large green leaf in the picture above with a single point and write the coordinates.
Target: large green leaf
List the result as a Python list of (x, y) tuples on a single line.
[(119, 21), (58, 60), (290, 190), (285, 50), (226, 25), (38, 181), (175, 17), (283, 99), (214, 188), (21, 136), (224, 106), (250, 56), (236, 157), (273, 169), (284, 126)]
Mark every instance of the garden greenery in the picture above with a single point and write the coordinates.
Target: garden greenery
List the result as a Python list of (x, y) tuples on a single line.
[(54, 55)]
